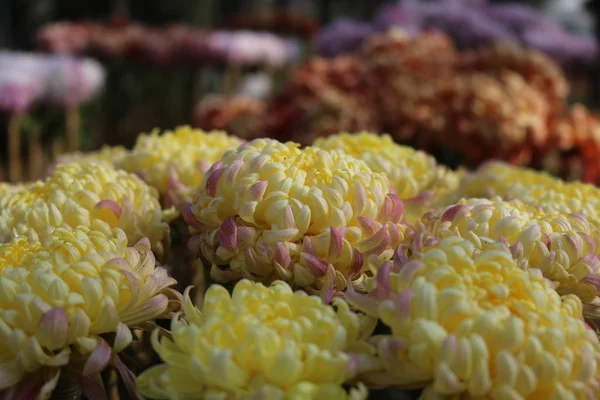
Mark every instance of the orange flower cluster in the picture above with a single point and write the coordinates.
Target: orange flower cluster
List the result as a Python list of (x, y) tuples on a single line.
[(500, 102), (490, 103)]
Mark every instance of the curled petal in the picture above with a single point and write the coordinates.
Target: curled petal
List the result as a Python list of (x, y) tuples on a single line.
[(453, 211), (394, 210), (327, 291), (98, 360), (368, 225), (257, 190), (53, 329), (123, 338), (307, 247), (403, 302), (356, 264), (336, 237), (594, 281), (282, 256), (111, 205), (189, 217), (228, 234), (365, 303), (317, 266), (213, 180), (383, 289)]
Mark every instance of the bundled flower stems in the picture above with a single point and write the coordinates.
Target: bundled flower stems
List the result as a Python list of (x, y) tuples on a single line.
[(338, 269), (28, 79)]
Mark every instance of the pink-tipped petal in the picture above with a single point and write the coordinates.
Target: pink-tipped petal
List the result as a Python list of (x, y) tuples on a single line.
[(327, 290), (397, 208), (307, 247), (228, 234), (282, 256), (111, 205), (451, 212), (408, 270), (403, 302), (98, 359), (356, 264), (233, 170), (516, 249), (383, 289), (594, 281), (52, 332), (143, 244), (213, 180), (214, 167), (336, 241), (317, 266), (368, 225), (258, 190), (399, 258), (189, 217)]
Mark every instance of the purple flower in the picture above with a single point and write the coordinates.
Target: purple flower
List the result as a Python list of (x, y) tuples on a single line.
[(342, 36)]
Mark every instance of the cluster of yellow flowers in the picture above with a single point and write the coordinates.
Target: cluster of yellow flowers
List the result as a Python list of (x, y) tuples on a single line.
[(479, 283), (172, 162)]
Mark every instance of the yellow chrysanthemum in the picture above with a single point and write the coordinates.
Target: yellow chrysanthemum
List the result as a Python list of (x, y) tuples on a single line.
[(87, 195), (9, 192), (474, 325), (533, 187), (175, 161), (413, 174), (565, 247), (107, 156), (317, 218), (59, 296), (260, 343)]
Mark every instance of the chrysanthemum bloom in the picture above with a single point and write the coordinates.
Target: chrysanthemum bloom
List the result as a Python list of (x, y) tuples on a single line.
[(260, 343), (68, 304), (564, 247), (537, 69), (92, 196), (414, 175), (575, 146), (311, 217), (107, 156), (175, 161), (474, 324), (534, 188)]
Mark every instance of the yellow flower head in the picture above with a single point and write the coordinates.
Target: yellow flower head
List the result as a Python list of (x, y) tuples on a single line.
[(9, 192), (175, 161), (473, 324), (534, 188), (259, 343), (59, 296), (316, 218), (564, 247), (107, 156), (412, 173), (87, 195)]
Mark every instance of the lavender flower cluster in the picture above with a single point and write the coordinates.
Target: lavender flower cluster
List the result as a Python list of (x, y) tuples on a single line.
[(64, 81), (470, 23)]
